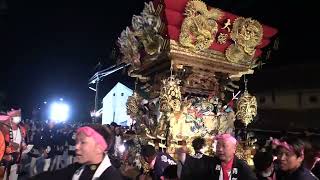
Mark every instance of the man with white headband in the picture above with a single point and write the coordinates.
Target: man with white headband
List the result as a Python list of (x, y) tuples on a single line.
[(14, 135), (226, 166), (92, 143)]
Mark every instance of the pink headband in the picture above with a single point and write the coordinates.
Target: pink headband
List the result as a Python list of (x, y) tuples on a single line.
[(13, 113), (285, 145), (88, 131), (226, 137), (4, 117)]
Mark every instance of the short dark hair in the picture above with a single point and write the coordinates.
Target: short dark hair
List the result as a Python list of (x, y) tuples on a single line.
[(198, 143), (148, 151), (296, 143), (262, 160)]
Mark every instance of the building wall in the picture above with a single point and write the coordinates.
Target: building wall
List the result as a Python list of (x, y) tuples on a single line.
[(290, 100), (114, 105)]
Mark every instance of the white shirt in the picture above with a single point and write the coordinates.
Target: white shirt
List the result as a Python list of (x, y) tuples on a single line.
[(17, 138)]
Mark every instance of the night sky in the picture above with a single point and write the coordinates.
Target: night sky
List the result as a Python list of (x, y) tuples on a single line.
[(49, 49)]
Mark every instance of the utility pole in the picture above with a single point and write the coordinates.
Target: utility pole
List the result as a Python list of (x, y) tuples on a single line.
[(96, 101), (96, 98)]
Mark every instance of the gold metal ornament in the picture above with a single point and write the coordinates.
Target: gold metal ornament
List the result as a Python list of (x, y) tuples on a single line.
[(222, 38), (246, 107), (199, 28), (170, 95)]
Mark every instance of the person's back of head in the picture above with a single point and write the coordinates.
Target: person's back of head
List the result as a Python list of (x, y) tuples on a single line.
[(198, 143), (262, 161), (148, 152)]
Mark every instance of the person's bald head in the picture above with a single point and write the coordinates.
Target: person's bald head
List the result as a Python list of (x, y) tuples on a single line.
[(226, 147)]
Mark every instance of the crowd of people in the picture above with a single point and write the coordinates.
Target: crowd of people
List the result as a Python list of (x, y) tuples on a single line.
[(42, 150)]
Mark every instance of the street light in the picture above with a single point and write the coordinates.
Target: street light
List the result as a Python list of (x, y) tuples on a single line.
[(59, 112)]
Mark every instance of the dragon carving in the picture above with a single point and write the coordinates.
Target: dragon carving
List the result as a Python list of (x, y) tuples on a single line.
[(199, 28)]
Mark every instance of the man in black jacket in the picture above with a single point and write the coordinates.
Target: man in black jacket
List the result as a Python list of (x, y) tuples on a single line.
[(198, 165), (226, 165), (92, 143)]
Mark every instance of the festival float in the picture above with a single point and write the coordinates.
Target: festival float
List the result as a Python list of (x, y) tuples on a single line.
[(187, 58)]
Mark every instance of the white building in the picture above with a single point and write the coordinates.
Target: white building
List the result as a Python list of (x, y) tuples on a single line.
[(114, 105)]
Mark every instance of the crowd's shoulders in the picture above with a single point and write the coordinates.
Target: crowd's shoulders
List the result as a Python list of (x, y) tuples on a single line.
[(61, 174)]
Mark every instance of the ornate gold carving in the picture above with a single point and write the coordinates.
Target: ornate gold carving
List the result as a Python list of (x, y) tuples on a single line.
[(133, 105), (206, 62), (170, 95), (170, 101), (145, 33), (222, 38), (129, 48), (246, 107), (146, 28), (236, 54), (247, 33), (245, 153), (199, 28), (197, 7), (131, 73), (201, 81)]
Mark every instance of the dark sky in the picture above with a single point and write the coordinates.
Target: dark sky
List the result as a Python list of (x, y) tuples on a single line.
[(49, 49)]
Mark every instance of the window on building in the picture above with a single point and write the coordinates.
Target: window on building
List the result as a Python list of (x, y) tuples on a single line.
[(121, 94), (114, 94)]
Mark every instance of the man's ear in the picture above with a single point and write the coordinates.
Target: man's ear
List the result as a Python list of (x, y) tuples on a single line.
[(301, 158)]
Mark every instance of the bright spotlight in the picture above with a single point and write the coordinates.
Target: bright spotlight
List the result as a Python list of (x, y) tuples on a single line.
[(61, 99), (59, 112)]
